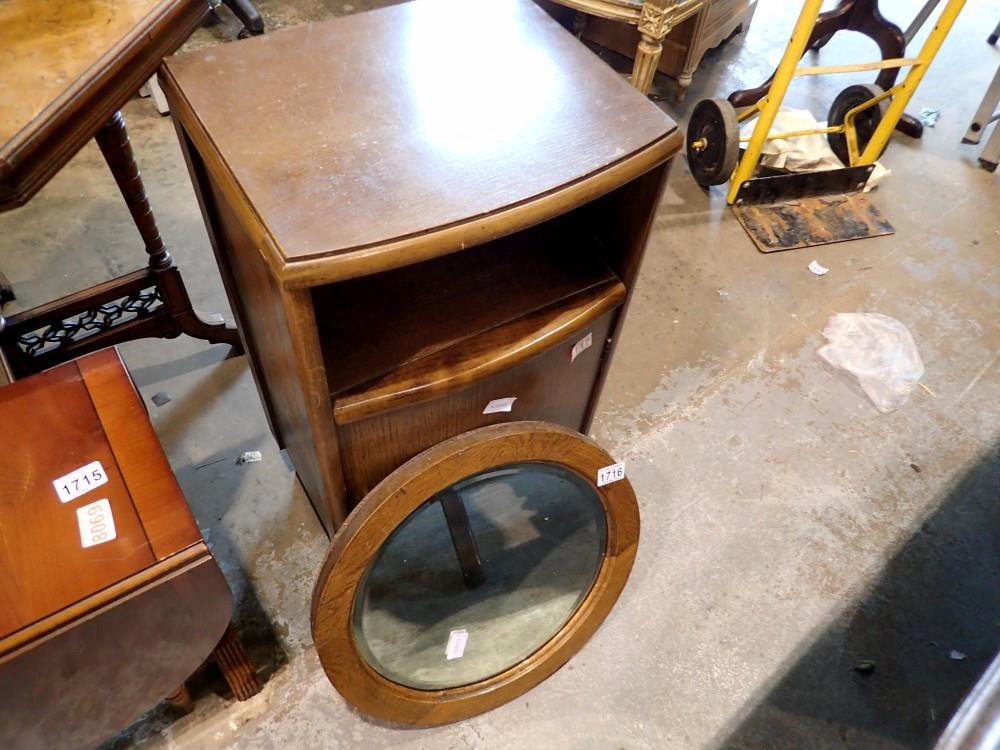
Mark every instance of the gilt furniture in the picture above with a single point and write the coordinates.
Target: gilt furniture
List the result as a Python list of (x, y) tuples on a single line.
[(68, 68), (109, 597), (654, 20), (686, 35), (429, 252)]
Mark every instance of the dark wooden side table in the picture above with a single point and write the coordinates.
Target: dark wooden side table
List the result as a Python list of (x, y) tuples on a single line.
[(429, 239), (67, 69), (109, 597)]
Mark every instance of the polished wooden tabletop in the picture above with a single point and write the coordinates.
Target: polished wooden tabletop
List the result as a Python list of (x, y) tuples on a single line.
[(394, 123), (46, 46), (65, 67), (64, 419)]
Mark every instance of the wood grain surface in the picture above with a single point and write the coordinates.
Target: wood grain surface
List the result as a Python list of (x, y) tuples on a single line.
[(95, 673), (67, 419), (156, 495), (355, 240), (374, 324), (388, 506), (92, 637), (480, 357), (549, 386), (403, 115), (44, 566), (49, 46), (66, 67)]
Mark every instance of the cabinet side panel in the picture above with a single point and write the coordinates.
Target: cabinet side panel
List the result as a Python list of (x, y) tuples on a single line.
[(209, 211), (286, 387), (622, 221)]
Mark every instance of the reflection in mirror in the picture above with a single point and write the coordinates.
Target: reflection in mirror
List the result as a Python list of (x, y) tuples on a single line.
[(480, 576)]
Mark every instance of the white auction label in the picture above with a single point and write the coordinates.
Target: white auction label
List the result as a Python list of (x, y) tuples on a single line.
[(80, 481), (97, 525), (500, 404), (456, 644), (581, 346), (817, 269), (610, 474)]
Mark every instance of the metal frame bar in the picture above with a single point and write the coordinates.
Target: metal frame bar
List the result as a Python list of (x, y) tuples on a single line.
[(769, 105), (986, 112), (767, 108), (892, 62), (904, 91)]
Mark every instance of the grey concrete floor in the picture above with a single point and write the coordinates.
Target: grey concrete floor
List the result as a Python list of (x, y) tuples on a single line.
[(790, 531)]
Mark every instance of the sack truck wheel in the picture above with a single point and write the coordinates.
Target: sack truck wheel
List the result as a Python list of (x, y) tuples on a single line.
[(864, 124), (713, 141)]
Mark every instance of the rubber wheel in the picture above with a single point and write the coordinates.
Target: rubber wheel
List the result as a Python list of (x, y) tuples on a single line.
[(865, 123), (713, 122)]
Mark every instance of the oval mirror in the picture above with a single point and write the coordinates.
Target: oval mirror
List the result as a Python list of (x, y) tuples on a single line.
[(473, 572)]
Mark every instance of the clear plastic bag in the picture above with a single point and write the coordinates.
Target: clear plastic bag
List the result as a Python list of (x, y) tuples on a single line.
[(879, 350)]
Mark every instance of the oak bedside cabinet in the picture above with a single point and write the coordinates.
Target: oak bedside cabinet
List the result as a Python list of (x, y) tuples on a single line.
[(429, 239), (109, 597)]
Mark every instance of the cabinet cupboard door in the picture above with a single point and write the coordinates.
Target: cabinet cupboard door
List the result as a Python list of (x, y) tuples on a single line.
[(473, 572)]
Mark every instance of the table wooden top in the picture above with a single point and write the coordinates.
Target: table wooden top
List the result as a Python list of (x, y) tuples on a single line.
[(65, 67), (353, 133), (60, 421)]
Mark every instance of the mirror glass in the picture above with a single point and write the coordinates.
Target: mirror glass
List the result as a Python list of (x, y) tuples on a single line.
[(480, 576)]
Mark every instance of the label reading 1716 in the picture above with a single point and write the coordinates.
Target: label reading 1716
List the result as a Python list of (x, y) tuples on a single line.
[(80, 481), (610, 474)]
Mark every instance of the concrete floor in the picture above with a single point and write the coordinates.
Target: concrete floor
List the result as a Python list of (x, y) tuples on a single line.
[(790, 531)]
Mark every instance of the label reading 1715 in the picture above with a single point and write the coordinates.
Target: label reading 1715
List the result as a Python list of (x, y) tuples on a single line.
[(80, 481)]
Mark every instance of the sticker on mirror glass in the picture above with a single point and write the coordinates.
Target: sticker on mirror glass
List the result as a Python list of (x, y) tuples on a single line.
[(456, 644), (97, 525), (500, 404), (610, 474), (80, 481), (581, 346)]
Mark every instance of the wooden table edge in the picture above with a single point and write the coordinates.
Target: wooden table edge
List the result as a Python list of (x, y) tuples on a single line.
[(196, 554), (180, 18)]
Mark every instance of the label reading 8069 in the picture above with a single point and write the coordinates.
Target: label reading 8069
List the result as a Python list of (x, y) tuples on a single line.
[(97, 525), (80, 481)]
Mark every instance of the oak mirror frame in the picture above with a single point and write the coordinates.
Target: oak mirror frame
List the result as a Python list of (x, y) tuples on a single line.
[(389, 505)]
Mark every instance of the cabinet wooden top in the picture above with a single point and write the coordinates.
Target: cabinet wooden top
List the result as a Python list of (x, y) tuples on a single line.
[(409, 131), (79, 434)]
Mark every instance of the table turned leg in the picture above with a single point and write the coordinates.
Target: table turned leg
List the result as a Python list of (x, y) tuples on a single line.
[(149, 303), (655, 22), (114, 143), (236, 666)]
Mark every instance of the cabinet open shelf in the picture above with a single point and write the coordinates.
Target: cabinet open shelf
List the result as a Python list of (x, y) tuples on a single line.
[(406, 335), (477, 357)]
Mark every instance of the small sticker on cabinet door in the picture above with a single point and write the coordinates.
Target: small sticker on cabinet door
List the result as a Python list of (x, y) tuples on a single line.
[(610, 474), (97, 525), (581, 346), (500, 404), (456, 644), (80, 481)]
